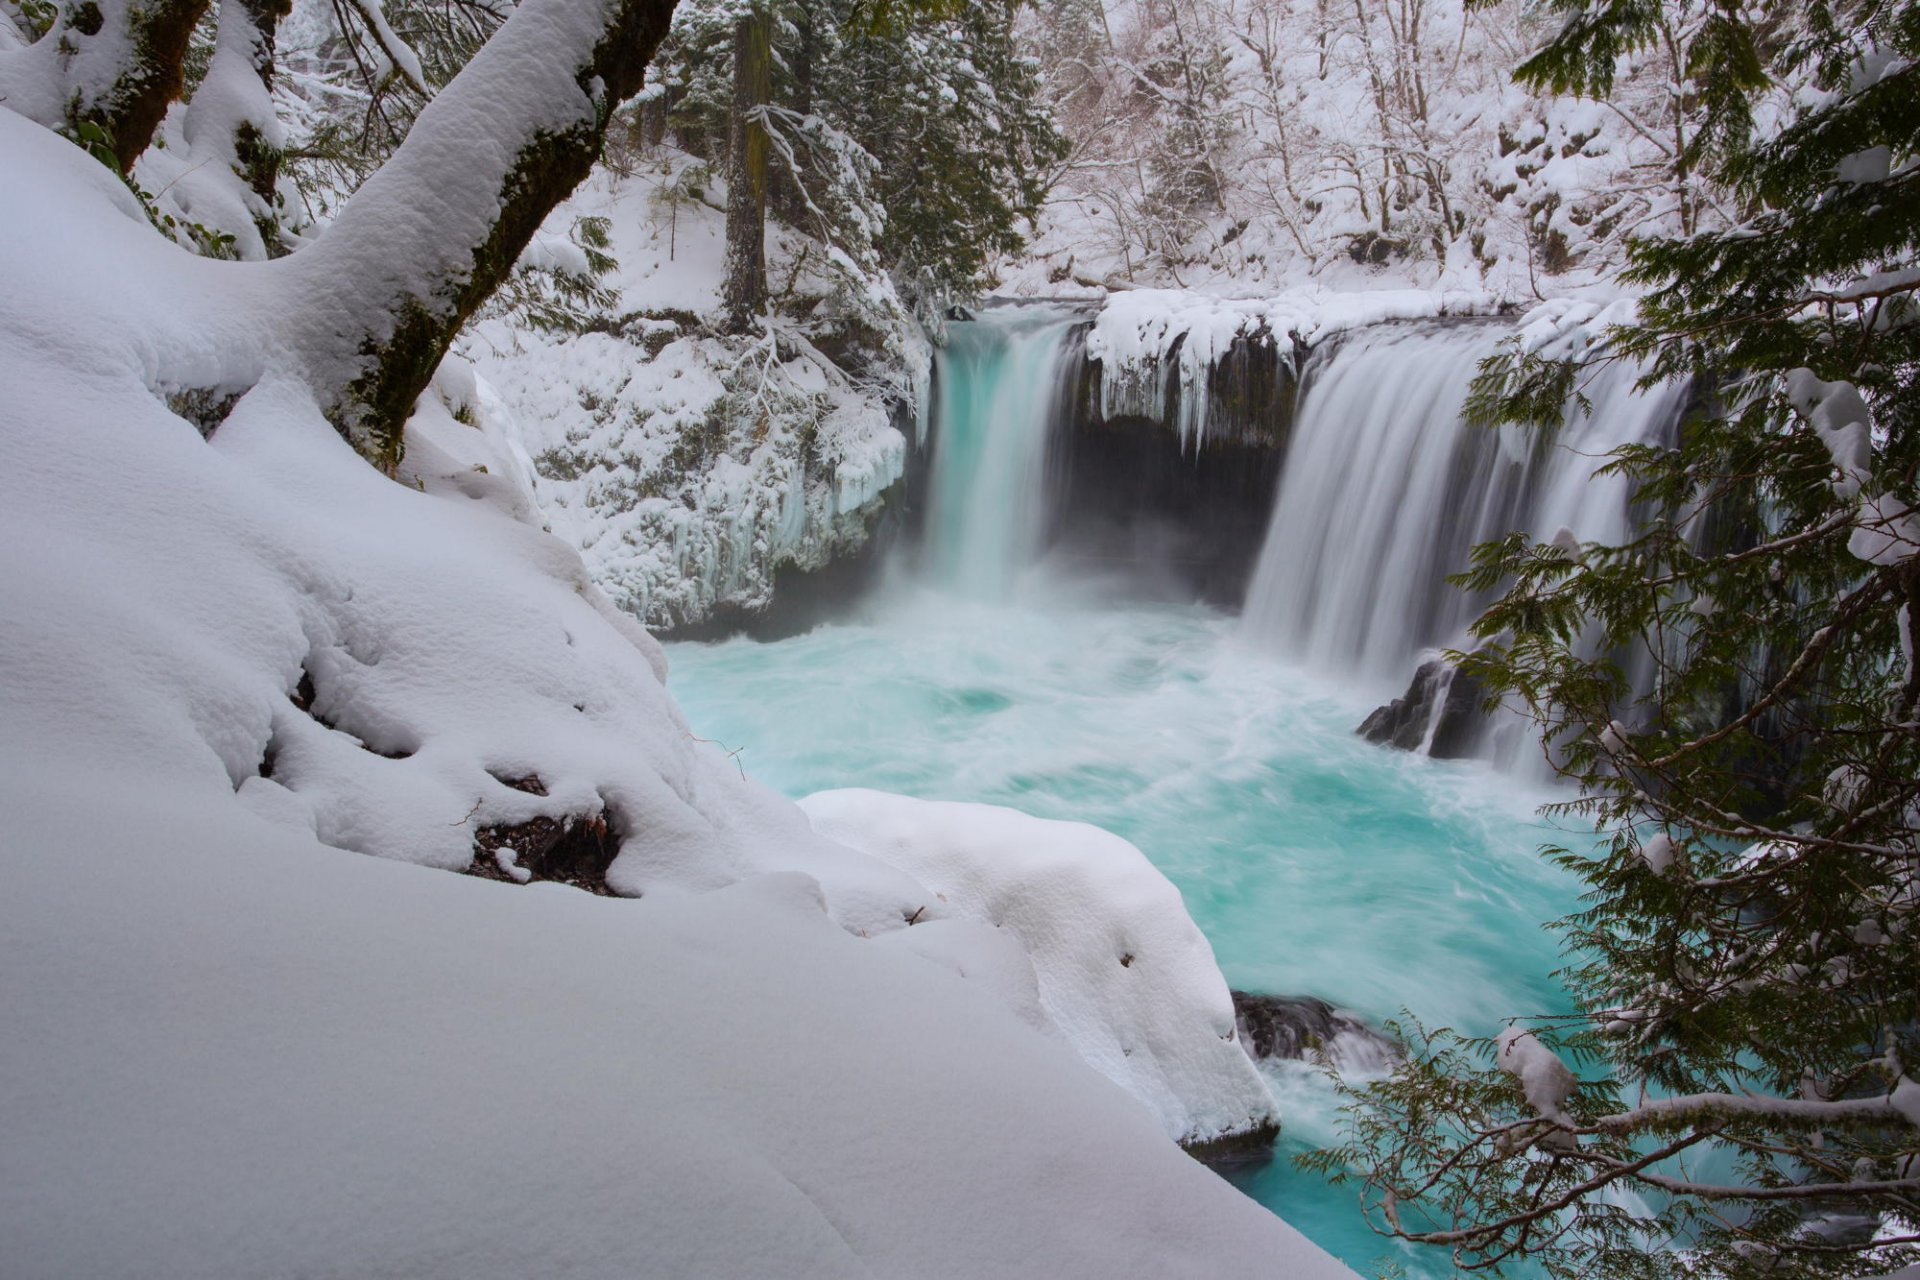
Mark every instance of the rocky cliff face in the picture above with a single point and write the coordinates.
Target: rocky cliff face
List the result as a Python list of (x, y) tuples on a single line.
[(1139, 488)]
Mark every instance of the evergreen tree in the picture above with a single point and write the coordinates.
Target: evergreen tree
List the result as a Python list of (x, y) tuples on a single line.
[(1747, 963), (965, 150), (910, 138)]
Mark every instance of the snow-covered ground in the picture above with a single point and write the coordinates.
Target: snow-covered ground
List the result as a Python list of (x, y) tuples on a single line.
[(232, 668)]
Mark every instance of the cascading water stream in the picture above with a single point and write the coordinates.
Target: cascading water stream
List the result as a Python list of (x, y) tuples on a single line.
[(999, 381), (1386, 490)]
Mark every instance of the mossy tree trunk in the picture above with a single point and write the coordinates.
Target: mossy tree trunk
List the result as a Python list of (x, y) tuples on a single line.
[(746, 285), (259, 157), (440, 226), (120, 63)]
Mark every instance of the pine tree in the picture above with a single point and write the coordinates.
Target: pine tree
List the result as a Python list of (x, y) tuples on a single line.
[(1747, 963)]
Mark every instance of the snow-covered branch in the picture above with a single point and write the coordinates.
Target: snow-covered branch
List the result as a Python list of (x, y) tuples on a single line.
[(442, 223), (1714, 1108)]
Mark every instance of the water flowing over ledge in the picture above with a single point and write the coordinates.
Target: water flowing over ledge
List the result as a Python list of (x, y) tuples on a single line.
[(1006, 665), (1160, 351), (1334, 501)]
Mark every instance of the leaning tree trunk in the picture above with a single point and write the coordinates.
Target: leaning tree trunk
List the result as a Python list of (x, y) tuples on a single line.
[(108, 65), (746, 286), (373, 304)]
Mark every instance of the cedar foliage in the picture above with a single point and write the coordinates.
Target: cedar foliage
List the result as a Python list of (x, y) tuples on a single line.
[(1735, 693)]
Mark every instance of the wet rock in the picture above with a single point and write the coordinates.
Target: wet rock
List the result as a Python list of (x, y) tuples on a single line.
[(1248, 1149), (1440, 711), (1306, 1029)]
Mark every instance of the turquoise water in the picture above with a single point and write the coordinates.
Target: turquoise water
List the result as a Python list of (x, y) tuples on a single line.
[(1316, 863)]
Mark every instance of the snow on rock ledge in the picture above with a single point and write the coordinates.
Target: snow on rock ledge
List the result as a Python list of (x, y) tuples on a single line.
[(1122, 970), (1153, 342), (691, 470)]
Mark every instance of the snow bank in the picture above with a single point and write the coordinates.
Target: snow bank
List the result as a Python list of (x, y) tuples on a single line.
[(232, 1053), (232, 664), (1122, 970)]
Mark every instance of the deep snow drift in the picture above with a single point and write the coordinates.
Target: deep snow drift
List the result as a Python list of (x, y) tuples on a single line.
[(232, 667)]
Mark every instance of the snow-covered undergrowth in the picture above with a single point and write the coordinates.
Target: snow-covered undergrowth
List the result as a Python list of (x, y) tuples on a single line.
[(689, 469), (233, 666), (1122, 969)]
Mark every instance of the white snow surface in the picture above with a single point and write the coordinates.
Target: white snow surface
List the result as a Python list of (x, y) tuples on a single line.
[(1886, 531), (234, 1053), (1544, 1078), (1840, 418), (236, 1046), (1122, 970)]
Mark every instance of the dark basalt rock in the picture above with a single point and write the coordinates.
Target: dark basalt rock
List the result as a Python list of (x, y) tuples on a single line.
[(1441, 699), (575, 850), (1248, 1149), (1306, 1029), (1296, 1028), (1131, 496)]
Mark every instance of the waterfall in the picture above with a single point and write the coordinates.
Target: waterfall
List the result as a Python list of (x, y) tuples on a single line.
[(1385, 491), (1000, 389)]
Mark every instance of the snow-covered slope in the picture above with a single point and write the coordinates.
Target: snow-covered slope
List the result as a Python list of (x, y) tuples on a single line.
[(231, 1052), (1235, 146), (235, 1045)]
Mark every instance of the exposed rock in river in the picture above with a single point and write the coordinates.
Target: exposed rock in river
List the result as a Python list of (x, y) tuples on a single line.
[(1306, 1029), (1439, 714)]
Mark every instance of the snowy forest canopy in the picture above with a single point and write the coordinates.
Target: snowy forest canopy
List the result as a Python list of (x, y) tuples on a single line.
[(1178, 142)]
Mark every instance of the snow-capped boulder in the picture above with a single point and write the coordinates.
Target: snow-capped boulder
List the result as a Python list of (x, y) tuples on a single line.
[(1123, 971)]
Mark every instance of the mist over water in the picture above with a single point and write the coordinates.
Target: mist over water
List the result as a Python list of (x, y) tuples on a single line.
[(1316, 863)]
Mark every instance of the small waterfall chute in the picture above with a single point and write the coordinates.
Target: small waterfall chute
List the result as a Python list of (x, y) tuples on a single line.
[(1386, 490), (1000, 391)]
